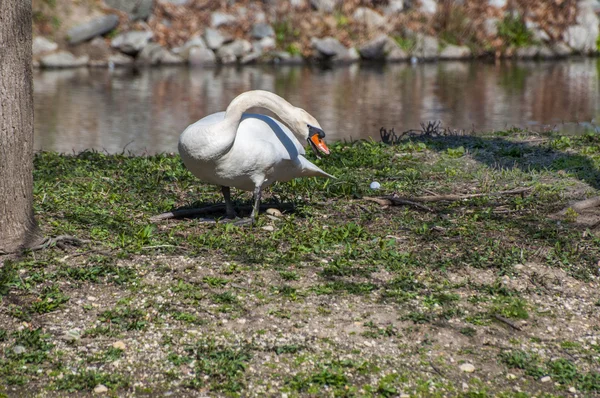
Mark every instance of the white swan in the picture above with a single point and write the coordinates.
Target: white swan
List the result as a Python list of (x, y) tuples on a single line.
[(252, 151)]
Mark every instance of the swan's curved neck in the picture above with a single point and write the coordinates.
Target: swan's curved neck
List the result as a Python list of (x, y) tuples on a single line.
[(260, 99)]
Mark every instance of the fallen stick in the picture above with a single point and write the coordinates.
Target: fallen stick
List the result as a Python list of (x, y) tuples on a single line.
[(402, 200)]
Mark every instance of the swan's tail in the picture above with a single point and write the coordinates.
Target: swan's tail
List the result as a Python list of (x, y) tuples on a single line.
[(311, 170)]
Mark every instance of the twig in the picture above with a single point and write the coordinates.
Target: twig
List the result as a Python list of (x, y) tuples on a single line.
[(507, 322), (395, 200), (158, 246), (436, 369)]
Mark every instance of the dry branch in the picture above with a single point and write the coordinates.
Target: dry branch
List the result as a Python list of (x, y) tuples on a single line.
[(400, 200)]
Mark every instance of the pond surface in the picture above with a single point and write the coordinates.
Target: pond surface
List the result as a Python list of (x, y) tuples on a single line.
[(145, 111)]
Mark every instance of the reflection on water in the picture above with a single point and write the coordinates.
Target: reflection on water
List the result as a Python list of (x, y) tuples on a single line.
[(145, 111)]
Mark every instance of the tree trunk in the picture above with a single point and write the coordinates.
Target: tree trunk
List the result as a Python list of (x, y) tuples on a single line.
[(18, 228)]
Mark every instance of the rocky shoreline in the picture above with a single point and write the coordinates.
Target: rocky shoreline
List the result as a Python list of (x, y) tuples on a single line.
[(210, 33)]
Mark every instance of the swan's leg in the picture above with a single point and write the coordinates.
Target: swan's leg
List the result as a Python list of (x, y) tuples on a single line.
[(256, 207), (228, 205)]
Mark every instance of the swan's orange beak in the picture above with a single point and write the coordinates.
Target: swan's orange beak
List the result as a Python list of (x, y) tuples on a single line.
[(318, 143)]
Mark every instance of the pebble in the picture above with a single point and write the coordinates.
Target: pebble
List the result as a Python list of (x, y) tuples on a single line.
[(511, 376), (467, 368), (269, 228), (274, 212), (100, 389), (572, 390), (119, 345), (19, 349), (375, 185), (91, 298), (72, 335), (545, 379)]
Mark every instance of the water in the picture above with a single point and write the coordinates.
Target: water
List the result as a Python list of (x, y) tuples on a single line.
[(145, 111)]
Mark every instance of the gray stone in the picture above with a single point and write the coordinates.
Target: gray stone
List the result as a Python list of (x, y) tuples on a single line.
[(236, 49), (154, 54), (490, 27), (497, 3), (194, 42), (328, 47), (527, 52), (213, 38), (100, 389), (298, 3), (119, 60), (546, 53), (537, 33), (93, 28), (201, 57), (19, 349), (374, 49), (325, 5), (393, 52), (427, 47), (72, 335), (582, 37), (262, 30), (137, 9), (220, 18), (284, 58), (42, 45), (455, 52), (265, 44), (370, 18), (561, 49), (428, 7), (251, 57), (176, 2), (394, 7), (63, 59), (131, 42)]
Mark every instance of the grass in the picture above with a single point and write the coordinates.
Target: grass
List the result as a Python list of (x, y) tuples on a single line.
[(342, 297), (514, 32)]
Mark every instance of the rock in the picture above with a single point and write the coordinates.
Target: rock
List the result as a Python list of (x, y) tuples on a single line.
[(374, 49), (176, 2), (100, 389), (132, 42), (546, 379), (537, 33), (72, 335), (120, 345), (572, 390), (497, 3), (394, 7), (274, 212), (298, 3), (393, 52), (284, 58), (427, 47), (455, 52), (229, 53), (93, 28), (467, 368), (201, 57), (511, 376), (527, 52), (561, 49), (490, 27), (262, 30), (19, 349), (119, 60), (583, 36), (370, 18), (220, 18), (268, 228), (194, 42), (213, 38), (42, 45), (265, 44), (330, 49), (545, 53), (63, 59), (137, 9), (154, 54), (325, 5), (428, 7), (251, 57), (375, 185)]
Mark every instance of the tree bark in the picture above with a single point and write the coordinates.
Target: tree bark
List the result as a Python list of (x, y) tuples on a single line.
[(18, 228)]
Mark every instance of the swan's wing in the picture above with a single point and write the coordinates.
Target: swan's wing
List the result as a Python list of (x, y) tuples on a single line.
[(258, 128)]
